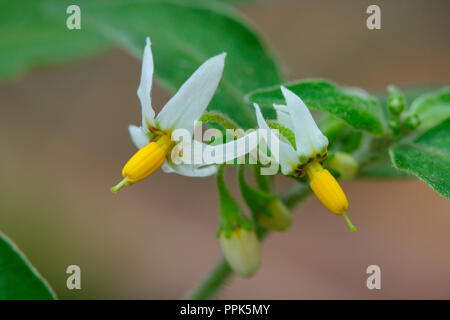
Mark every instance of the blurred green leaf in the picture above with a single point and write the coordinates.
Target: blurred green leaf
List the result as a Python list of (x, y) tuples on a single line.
[(184, 34), (18, 279), (431, 108), (383, 170), (29, 39), (427, 157), (353, 105)]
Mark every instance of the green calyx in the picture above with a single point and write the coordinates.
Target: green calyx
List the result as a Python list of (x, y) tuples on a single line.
[(285, 132), (219, 118)]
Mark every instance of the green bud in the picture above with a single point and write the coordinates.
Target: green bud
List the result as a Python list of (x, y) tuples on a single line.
[(345, 164), (267, 209), (277, 216), (396, 105), (412, 122), (242, 251), (394, 124)]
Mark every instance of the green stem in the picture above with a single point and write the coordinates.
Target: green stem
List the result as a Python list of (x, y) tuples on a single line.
[(221, 273), (213, 282)]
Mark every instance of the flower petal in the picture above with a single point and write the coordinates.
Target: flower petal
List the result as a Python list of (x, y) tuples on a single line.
[(283, 116), (231, 150), (138, 136), (143, 92), (287, 155), (189, 170), (308, 137), (192, 99)]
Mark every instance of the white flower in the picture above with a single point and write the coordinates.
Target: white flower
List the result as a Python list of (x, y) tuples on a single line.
[(308, 153), (186, 107), (310, 142)]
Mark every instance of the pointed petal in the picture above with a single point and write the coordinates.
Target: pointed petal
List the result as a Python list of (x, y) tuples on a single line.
[(192, 99), (192, 152), (287, 155), (283, 116), (231, 150), (190, 170), (138, 136), (282, 108), (308, 137), (143, 92)]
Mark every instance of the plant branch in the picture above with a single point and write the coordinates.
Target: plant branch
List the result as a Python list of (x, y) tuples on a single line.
[(221, 273)]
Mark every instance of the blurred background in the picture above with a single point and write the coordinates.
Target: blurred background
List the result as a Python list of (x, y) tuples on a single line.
[(64, 140)]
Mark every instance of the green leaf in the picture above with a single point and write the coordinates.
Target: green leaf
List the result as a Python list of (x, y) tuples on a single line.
[(353, 105), (431, 108), (383, 170), (427, 157), (184, 34), (18, 279), (30, 39)]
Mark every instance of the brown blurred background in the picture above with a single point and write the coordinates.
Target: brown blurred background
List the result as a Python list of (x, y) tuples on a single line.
[(64, 140)]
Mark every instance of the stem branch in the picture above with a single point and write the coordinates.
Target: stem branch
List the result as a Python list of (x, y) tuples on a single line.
[(221, 273)]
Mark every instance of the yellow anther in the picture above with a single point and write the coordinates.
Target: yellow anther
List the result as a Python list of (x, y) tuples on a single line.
[(326, 188), (144, 162)]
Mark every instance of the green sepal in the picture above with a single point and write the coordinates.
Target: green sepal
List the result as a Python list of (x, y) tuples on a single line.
[(219, 118), (285, 132)]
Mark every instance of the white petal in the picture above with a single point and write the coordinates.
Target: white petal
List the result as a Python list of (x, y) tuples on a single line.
[(282, 108), (287, 155), (138, 136), (192, 99), (283, 116), (167, 167), (192, 152), (190, 170), (143, 92), (231, 150), (308, 137)]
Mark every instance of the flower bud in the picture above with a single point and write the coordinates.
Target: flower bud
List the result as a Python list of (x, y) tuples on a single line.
[(241, 250), (394, 124), (345, 164), (280, 217), (396, 105), (412, 122)]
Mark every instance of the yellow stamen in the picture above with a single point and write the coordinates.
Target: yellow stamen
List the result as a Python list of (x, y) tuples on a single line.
[(144, 162), (326, 188)]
